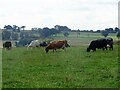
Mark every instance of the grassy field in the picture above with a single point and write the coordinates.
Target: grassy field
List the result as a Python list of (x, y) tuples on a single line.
[(73, 68)]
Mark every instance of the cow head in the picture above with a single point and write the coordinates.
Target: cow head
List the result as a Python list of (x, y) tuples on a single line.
[(67, 45), (46, 49), (88, 49)]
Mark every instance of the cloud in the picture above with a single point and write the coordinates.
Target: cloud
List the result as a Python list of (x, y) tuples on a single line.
[(76, 14)]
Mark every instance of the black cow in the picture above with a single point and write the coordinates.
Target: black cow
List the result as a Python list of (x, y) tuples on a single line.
[(7, 45), (110, 43), (43, 44), (97, 44)]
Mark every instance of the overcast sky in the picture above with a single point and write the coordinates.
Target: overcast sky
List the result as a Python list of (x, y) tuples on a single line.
[(76, 14)]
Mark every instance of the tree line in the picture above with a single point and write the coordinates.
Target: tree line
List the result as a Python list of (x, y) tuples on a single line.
[(26, 36)]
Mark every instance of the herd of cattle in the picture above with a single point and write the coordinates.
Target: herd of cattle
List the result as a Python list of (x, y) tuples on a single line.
[(103, 43)]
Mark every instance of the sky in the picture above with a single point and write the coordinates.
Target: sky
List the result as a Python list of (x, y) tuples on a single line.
[(75, 14)]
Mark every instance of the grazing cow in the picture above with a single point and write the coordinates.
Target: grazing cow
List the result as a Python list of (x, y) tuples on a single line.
[(97, 44), (43, 44), (7, 45), (110, 43), (34, 43), (61, 44)]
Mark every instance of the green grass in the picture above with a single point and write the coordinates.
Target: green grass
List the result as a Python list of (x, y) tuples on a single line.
[(75, 67)]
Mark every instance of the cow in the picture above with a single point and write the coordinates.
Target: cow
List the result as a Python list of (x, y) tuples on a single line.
[(97, 44), (43, 44), (61, 44), (34, 43), (7, 45), (110, 43)]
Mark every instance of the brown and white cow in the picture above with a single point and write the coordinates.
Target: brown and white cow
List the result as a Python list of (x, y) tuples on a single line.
[(61, 44)]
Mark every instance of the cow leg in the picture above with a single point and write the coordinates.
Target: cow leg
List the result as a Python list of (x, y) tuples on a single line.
[(94, 49), (5, 49), (54, 50), (30, 48), (64, 49), (103, 48), (106, 48), (111, 47), (9, 48)]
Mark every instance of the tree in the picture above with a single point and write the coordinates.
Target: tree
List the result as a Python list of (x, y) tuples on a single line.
[(54, 31), (116, 29), (14, 36), (118, 34), (98, 31), (8, 27), (104, 33), (78, 33), (62, 28), (16, 28), (23, 27), (6, 35), (66, 34), (109, 30), (24, 35), (46, 32)]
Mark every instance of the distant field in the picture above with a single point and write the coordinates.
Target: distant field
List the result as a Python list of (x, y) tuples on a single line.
[(84, 38), (74, 68)]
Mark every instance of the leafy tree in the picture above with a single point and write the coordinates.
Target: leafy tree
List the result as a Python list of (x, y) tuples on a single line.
[(116, 29), (104, 33), (62, 28), (23, 27), (54, 31), (8, 27), (6, 35), (98, 31), (118, 34), (24, 35), (16, 28), (78, 33), (14, 36), (46, 32), (109, 30), (66, 34)]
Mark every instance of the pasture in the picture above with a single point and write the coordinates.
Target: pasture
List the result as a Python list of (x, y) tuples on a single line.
[(73, 68)]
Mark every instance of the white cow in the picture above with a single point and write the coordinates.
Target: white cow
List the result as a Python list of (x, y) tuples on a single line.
[(34, 43)]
